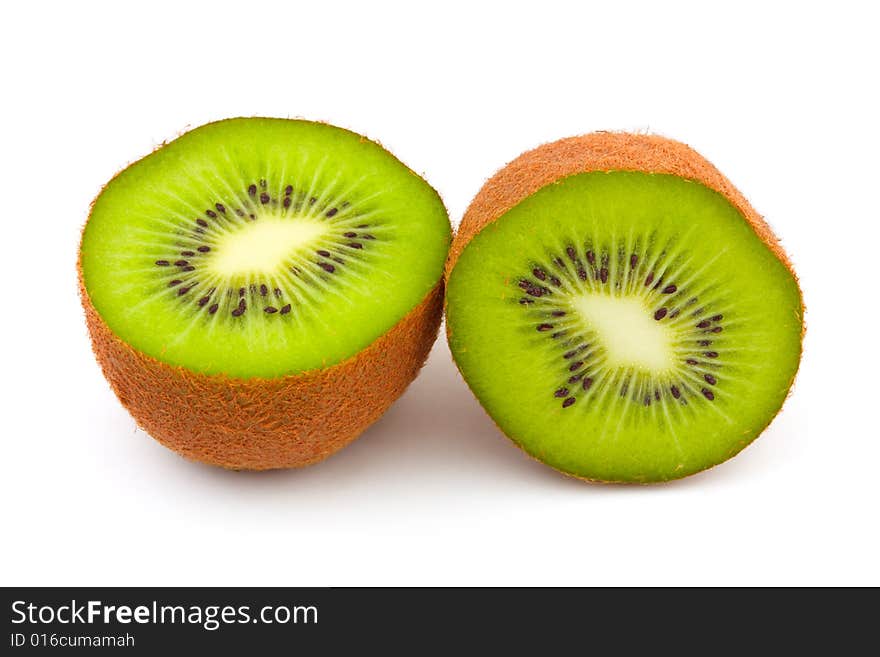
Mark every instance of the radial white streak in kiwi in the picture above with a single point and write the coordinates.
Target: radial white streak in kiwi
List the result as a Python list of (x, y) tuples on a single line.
[(688, 283), (262, 246), (611, 383), (627, 331)]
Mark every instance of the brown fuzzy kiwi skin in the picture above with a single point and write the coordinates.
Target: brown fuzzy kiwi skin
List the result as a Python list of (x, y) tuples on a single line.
[(596, 152), (262, 424)]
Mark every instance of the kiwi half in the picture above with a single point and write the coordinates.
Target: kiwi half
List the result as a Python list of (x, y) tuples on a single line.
[(259, 291), (620, 310)]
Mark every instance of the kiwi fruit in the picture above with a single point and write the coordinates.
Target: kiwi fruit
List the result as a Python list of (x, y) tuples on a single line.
[(259, 291), (620, 310)]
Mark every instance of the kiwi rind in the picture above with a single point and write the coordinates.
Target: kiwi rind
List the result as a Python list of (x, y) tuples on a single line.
[(263, 424), (257, 423), (604, 152)]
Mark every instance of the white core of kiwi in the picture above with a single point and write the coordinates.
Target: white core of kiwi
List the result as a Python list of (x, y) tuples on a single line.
[(262, 247), (627, 331)]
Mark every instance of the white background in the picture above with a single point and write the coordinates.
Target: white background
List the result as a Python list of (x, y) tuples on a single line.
[(781, 98)]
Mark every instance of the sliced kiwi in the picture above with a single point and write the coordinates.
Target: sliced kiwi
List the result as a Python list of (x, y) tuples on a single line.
[(259, 290), (620, 311)]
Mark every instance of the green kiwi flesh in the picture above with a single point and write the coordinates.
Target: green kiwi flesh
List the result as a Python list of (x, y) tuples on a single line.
[(257, 248), (625, 326)]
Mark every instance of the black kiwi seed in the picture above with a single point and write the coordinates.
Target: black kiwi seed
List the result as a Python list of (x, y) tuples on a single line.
[(349, 234), (675, 391), (544, 327), (286, 203), (252, 190), (704, 324), (562, 392), (568, 402), (331, 212), (188, 268), (711, 380), (181, 263), (240, 310), (356, 245), (277, 292), (588, 382), (270, 309), (603, 275), (203, 249), (220, 208), (711, 354), (323, 253), (187, 254), (288, 190), (708, 394), (633, 261), (591, 257), (211, 214), (649, 279), (176, 281), (285, 309), (669, 289), (163, 263), (203, 301), (264, 290), (326, 266), (691, 361), (213, 308), (264, 198), (660, 314), (539, 274)]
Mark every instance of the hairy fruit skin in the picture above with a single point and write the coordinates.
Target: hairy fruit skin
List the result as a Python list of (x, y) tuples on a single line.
[(598, 152), (262, 424)]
